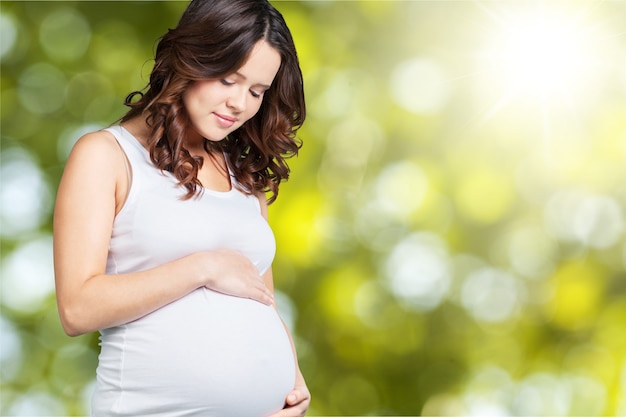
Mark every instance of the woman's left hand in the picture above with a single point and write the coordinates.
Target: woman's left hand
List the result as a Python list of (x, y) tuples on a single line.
[(296, 403)]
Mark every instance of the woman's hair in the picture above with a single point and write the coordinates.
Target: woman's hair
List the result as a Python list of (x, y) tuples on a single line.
[(213, 39)]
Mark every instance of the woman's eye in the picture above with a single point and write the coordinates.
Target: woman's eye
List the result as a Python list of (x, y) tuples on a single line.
[(255, 94), (226, 82)]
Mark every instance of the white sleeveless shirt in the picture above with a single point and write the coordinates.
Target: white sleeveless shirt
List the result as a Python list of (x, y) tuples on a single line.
[(206, 354)]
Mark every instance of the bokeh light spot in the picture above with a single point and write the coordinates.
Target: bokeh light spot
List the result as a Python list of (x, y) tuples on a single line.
[(87, 394), (418, 272), (541, 394), (351, 142), (338, 291), (337, 93), (420, 86), (578, 287), (592, 360), (353, 395), (487, 392), (336, 99), (41, 88), (531, 252), (11, 352), (88, 94), (545, 394), (65, 34), (444, 405), (375, 228), (25, 196), (37, 403), (400, 188), (28, 277), (350, 145), (8, 34), (371, 302), (66, 367), (588, 395), (116, 52), (593, 220), (490, 295)]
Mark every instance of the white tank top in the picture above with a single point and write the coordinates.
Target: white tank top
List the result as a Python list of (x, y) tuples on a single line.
[(206, 354)]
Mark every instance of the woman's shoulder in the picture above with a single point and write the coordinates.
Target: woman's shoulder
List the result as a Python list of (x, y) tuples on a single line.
[(101, 143), (97, 151), (97, 139)]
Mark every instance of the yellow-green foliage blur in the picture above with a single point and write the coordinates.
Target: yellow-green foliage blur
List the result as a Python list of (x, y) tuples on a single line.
[(452, 238)]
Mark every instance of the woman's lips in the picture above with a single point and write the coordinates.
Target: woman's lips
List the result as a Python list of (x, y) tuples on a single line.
[(225, 121)]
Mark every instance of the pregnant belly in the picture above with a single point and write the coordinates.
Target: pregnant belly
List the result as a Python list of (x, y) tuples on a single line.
[(207, 354)]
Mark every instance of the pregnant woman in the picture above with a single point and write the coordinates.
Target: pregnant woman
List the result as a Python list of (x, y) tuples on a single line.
[(161, 239)]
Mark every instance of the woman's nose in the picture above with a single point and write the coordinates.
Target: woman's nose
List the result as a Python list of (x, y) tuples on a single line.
[(237, 100)]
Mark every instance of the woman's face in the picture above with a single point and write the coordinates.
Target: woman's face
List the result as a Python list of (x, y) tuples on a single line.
[(218, 107)]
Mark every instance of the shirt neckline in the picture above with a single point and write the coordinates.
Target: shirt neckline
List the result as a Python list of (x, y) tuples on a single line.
[(146, 153)]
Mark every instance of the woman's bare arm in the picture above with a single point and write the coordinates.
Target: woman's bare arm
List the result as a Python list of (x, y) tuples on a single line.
[(91, 192)]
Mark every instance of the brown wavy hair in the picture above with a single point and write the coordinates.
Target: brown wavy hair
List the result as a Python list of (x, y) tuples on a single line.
[(212, 40)]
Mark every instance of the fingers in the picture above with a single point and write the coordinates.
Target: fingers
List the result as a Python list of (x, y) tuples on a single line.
[(262, 294), (292, 398), (297, 397), (296, 403), (232, 273), (248, 287)]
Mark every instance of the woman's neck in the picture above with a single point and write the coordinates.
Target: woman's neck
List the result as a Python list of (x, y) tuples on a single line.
[(194, 143)]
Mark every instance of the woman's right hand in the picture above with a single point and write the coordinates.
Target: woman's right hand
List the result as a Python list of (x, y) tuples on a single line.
[(229, 272)]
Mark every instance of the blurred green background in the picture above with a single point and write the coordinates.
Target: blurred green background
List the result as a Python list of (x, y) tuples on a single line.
[(451, 241)]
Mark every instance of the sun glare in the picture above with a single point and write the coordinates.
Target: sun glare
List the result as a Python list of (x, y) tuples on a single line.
[(553, 56), (542, 55)]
